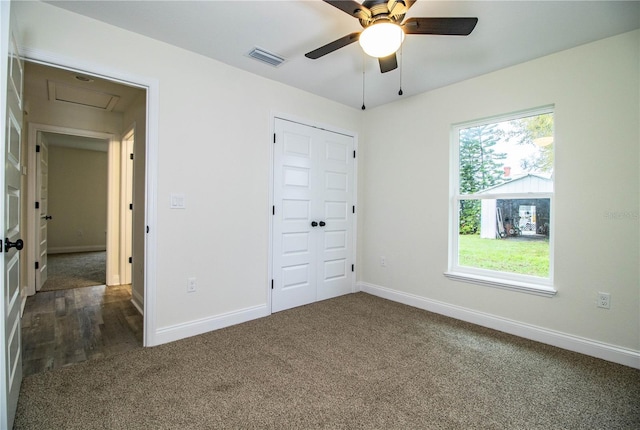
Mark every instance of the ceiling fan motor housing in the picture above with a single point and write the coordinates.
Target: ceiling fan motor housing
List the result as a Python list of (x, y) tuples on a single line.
[(380, 12)]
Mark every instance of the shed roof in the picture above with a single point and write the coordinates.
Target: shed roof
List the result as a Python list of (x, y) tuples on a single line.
[(524, 184)]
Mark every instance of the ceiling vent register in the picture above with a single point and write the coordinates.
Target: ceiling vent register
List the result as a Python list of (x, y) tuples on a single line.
[(266, 57)]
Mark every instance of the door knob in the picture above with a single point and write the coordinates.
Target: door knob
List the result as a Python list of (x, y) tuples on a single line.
[(322, 223), (18, 244), (314, 224)]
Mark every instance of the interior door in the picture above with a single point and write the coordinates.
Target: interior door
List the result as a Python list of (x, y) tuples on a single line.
[(312, 215), (10, 356), (126, 225), (42, 212)]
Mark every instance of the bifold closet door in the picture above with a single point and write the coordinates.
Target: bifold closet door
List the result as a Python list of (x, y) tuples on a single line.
[(313, 214)]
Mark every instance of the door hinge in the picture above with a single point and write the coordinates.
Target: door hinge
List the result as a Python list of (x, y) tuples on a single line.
[(130, 260), (353, 209), (272, 284), (131, 156), (273, 210), (37, 148), (37, 265), (147, 229), (353, 267), (354, 154), (37, 205), (130, 206), (274, 138)]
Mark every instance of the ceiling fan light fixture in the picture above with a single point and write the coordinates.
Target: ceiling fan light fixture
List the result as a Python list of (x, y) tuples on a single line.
[(381, 39)]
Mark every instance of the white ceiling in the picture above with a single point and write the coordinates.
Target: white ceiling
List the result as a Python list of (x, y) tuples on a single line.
[(508, 33)]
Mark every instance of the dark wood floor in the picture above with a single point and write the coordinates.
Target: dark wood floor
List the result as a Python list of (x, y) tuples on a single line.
[(61, 328)]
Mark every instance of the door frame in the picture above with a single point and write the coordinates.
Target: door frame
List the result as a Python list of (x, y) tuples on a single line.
[(152, 87), (315, 124), (113, 192), (125, 198)]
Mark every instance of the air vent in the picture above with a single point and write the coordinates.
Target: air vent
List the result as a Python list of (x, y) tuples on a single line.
[(266, 57)]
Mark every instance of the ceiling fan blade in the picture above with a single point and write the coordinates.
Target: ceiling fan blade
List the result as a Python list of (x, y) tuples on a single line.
[(444, 26), (388, 63), (333, 46), (351, 7)]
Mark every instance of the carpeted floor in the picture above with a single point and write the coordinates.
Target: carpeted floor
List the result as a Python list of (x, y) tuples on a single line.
[(354, 362), (75, 270)]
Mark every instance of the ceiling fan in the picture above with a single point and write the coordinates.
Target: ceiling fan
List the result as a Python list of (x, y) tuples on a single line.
[(384, 30)]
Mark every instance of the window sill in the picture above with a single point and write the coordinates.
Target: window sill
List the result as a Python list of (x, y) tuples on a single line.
[(523, 287)]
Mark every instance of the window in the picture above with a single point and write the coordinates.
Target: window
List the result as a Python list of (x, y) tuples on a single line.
[(502, 202)]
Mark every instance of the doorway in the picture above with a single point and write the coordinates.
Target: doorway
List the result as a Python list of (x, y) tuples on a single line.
[(313, 222), (71, 177), (74, 105)]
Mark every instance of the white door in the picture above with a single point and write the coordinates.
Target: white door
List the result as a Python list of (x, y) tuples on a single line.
[(126, 196), (42, 211), (10, 356), (313, 192)]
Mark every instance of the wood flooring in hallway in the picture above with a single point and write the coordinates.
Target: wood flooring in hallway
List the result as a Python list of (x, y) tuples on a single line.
[(61, 328)]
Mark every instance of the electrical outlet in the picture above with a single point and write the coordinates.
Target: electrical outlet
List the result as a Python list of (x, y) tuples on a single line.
[(604, 300), (191, 285), (383, 261)]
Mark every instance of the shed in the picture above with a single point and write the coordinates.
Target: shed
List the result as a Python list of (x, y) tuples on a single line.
[(528, 216)]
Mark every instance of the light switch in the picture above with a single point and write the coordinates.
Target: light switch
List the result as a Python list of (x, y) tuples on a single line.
[(177, 201)]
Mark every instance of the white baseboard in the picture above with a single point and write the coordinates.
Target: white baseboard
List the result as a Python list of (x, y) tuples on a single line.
[(627, 357), (204, 325), (69, 249), (138, 301)]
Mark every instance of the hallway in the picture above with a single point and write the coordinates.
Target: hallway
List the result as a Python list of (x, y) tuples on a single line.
[(61, 328)]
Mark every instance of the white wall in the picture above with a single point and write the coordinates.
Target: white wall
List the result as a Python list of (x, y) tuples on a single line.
[(595, 90), (77, 200), (213, 145)]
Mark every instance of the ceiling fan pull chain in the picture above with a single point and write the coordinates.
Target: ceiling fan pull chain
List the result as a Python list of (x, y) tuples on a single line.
[(363, 106), (401, 58)]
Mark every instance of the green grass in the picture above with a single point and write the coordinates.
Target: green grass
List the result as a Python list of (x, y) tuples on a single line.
[(513, 255)]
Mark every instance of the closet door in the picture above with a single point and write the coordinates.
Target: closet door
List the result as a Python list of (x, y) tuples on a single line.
[(313, 214)]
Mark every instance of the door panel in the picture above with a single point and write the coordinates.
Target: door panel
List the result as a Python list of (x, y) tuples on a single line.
[(313, 176), (42, 191), (10, 356), (336, 197), (294, 275)]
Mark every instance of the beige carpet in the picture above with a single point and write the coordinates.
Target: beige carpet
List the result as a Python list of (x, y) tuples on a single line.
[(75, 270), (355, 362)]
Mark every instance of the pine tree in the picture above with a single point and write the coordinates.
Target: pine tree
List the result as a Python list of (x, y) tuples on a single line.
[(480, 168)]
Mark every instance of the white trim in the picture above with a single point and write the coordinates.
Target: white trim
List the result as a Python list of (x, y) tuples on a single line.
[(204, 325), (70, 249), (152, 87), (125, 197), (604, 351), (113, 212), (505, 284), (32, 193), (494, 278)]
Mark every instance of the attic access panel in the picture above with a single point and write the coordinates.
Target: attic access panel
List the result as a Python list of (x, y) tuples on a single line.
[(80, 96)]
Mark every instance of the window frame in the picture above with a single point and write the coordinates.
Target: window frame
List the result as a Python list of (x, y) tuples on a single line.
[(492, 278)]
